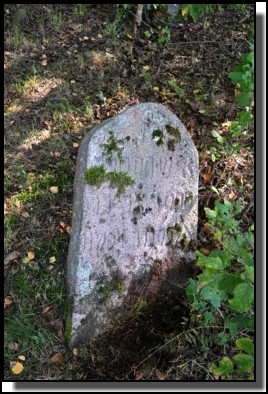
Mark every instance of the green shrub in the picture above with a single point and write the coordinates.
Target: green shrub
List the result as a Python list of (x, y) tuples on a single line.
[(223, 293)]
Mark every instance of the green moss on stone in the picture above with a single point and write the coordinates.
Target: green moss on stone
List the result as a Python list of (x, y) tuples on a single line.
[(171, 144), (119, 180), (189, 196), (68, 319), (184, 242), (140, 305), (111, 147), (139, 197), (159, 135), (106, 288), (96, 175), (177, 229), (175, 132)]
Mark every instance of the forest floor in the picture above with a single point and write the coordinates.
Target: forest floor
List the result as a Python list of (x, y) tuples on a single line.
[(68, 68)]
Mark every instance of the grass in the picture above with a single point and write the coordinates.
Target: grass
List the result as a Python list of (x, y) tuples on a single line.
[(48, 110), (57, 21)]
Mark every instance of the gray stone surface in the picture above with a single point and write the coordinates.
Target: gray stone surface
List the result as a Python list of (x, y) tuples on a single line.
[(128, 245)]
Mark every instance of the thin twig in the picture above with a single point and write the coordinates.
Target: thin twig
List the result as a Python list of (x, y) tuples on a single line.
[(167, 343)]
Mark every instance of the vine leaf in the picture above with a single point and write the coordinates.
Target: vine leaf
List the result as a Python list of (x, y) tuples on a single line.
[(225, 367), (243, 297)]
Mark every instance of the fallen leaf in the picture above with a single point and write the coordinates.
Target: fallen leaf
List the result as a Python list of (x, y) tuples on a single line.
[(21, 357), (62, 224), (156, 88), (146, 68), (46, 309), (129, 36), (75, 351), (99, 35), (12, 256), (85, 38), (232, 195), (57, 325), (73, 81), (59, 333), (207, 176), (16, 367), (31, 255), (160, 375), (57, 154), (54, 189), (68, 229), (138, 375), (57, 358), (51, 267), (205, 251), (25, 260), (52, 259), (25, 214), (75, 145), (7, 301), (44, 62), (44, 56), (13, 346)]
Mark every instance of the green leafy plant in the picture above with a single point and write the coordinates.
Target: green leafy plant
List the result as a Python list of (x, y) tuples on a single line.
[(80, 9), (196, 11), (223, 293), (242, 77), (113, 29), (176, 88)]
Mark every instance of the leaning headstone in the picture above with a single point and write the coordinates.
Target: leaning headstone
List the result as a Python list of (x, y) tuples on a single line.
[(134, 217)]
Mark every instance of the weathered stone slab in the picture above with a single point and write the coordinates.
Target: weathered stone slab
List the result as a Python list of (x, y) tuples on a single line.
[(134, 217)]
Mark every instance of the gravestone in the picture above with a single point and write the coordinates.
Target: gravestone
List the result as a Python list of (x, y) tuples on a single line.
[(134, 217)]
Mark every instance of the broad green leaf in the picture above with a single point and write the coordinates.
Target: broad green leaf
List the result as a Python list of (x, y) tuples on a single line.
[(245, 361), (224, 255), (245, 99), (245, 117), (236, 76), (228, 282), (248, 274), (245, 344), (191, 289), (210, 276), (243, 297), (225, 367), (210, 262), (245, 322), (212, 295), (232, 327)]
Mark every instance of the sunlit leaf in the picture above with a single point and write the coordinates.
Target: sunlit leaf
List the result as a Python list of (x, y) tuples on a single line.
[(245, 344), (243, 297), (31, 255), (12, 256), (245, 361), (16, 367), (225, 367), (54, 189)]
